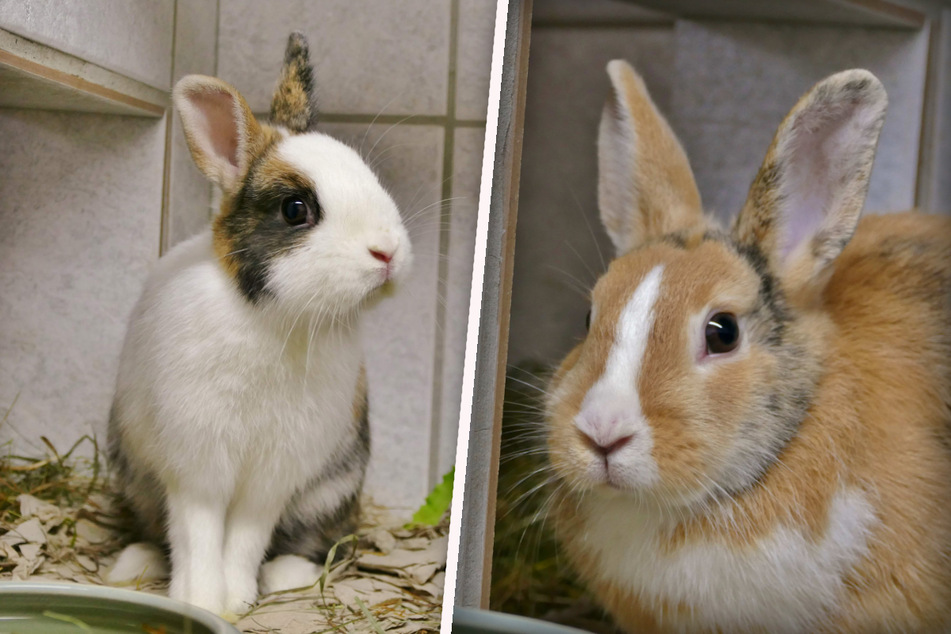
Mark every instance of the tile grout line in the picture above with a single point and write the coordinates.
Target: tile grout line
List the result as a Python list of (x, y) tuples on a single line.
[(442, 273), (165, 209), (217, 33)]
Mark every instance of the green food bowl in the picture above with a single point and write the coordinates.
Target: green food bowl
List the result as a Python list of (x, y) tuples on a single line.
[(73, 608), (472, 621)]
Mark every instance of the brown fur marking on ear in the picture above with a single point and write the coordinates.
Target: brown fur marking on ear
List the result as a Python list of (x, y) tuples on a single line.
[(667, 194), (641, 164), (294, 105), (221, 132), (806, 199)]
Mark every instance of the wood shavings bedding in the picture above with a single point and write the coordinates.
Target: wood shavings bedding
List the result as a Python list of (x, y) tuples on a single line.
[(393, 582)]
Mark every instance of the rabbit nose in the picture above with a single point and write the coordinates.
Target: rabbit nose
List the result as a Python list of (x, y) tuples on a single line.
[(382, 256), (606, 444)]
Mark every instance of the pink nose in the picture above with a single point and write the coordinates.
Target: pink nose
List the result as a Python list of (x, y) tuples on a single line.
[(381, 256), (608, 445)]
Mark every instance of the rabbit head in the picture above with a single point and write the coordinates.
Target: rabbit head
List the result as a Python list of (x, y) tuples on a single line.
[(304, 224), (705, 345)]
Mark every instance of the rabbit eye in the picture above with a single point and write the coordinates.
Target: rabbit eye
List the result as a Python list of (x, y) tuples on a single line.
[(722, 333), (587, 321), (294, 210)]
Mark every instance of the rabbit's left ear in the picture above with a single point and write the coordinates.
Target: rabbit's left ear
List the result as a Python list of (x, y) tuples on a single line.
[(294, 104), (805, 202)]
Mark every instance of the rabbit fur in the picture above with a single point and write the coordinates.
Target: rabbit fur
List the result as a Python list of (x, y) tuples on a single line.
[(800, 481), (239, 428)]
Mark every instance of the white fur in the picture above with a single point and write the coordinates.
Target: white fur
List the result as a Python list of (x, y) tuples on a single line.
[(359, 216), (782, 583), (611, 409), (138, 562), (232, 411), (288, 572), (234, 406)]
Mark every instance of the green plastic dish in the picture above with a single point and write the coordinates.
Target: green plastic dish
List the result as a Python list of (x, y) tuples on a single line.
[(73, 608), (472, 621)]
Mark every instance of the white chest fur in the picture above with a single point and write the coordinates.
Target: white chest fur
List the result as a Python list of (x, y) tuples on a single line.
[(783, 582), (218, 391)]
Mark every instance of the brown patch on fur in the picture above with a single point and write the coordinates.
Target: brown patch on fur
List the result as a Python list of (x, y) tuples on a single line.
[(262, 165)]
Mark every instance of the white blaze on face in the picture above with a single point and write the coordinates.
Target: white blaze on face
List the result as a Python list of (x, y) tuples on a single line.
[(611, 410)]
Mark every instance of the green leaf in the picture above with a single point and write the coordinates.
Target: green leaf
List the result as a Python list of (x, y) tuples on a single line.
[(437, 502)]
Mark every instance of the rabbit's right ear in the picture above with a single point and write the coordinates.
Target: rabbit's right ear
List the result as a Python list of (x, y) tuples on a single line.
[(645, 186), (221, 132), (806, 199)]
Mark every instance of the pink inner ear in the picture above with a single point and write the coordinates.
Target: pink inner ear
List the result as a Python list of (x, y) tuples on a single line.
[(820, 161), (218, 123)]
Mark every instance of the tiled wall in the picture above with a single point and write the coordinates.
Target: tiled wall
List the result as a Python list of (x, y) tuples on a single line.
[(407, 83), (92, 199), (132, 38), (724, 87), (82, 197), (80, 202)]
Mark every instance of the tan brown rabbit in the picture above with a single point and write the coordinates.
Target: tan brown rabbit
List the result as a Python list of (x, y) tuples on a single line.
[(755, 435)]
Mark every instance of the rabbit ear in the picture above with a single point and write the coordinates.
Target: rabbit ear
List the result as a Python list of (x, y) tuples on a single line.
[(645, 186), (294, 105), (806, 199), (221, 132)]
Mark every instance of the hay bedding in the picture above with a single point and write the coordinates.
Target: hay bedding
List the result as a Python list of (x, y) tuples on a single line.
[(59, 521)]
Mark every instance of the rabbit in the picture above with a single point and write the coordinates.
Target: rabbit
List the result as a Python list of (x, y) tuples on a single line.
[(239, 427), (754, 435)]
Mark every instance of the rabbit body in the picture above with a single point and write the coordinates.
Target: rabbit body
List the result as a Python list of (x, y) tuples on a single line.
[(799, 481), (239, 428), (228, 422)]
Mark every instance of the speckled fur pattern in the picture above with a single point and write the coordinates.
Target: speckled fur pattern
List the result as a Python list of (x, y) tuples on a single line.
[(294, 105), (239, 429), (801, 482)]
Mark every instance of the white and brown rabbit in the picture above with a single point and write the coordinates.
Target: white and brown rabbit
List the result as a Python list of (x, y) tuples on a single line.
[(239, 427), (755, 434)]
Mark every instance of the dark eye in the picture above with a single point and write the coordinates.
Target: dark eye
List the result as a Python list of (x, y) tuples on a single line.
[(587, 321), (294, 210), (722, 333)]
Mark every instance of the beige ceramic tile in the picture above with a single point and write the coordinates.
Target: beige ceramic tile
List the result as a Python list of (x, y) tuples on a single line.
[(400, 333), (467, 171), (369, 56), (80, 203), (196, 22), (189, 193), (474, 57), (561, 247), (132, 38), (735, 83)]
